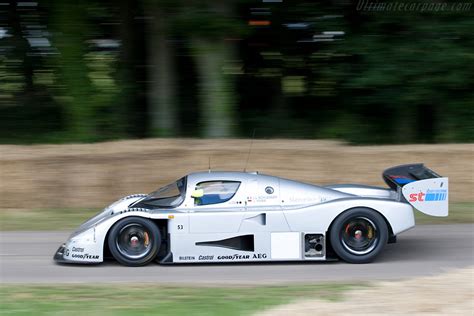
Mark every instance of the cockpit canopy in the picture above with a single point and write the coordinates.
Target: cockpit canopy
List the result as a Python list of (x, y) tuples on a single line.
[(169, 196)]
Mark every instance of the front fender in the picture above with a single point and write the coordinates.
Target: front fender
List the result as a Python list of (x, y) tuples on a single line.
[(88, 245)]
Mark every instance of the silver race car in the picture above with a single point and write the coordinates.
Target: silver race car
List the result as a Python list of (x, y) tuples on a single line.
[(251, 217)]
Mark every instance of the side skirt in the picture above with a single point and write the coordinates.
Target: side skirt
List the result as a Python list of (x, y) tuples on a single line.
[(247, 247)]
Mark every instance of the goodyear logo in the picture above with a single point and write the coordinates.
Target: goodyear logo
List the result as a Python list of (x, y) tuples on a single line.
[(430, 196)]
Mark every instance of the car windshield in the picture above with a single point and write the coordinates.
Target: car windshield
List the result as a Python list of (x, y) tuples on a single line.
[(171, 195)]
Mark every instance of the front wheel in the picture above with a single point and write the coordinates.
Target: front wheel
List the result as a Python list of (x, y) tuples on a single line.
[(134, 241), (358, 235)]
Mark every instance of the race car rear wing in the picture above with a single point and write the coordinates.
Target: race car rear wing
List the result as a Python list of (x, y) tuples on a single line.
[(420, 186)]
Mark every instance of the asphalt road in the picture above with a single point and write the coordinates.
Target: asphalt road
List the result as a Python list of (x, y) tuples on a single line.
[(26, 257)]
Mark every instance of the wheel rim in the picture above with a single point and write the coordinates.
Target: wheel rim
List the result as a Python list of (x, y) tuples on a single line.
[(359, 235), (133, 241)]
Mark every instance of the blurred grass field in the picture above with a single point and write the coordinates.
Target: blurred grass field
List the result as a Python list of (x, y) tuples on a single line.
[(133, 299), (459, 213), (67, 219)]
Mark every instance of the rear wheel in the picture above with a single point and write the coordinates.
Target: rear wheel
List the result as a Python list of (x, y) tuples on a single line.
[(134, 241), (358, 235)]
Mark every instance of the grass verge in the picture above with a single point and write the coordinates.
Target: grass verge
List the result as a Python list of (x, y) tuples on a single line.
[(130, 299), (459, 213), (67, 219)]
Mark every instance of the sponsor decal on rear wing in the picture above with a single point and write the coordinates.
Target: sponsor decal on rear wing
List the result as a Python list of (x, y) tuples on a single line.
[(420, 186), (429, 196)]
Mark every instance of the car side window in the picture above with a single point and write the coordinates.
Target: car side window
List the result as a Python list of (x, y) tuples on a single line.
[(214, 192)]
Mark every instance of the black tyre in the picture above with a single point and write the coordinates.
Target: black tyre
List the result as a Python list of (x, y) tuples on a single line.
[(358, 235), (134, 241)]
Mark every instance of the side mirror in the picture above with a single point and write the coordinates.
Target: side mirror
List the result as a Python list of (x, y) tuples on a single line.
[(197, 193)]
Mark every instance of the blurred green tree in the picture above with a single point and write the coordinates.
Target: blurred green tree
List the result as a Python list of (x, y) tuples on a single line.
[(76, 92), (162, 94), (211, 28), (410, 79), (96, 70)]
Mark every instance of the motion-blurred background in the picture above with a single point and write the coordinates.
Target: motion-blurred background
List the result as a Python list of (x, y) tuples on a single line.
[(360, 71)]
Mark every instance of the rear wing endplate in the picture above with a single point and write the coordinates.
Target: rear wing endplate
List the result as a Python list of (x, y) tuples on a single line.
[(420, 186)]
